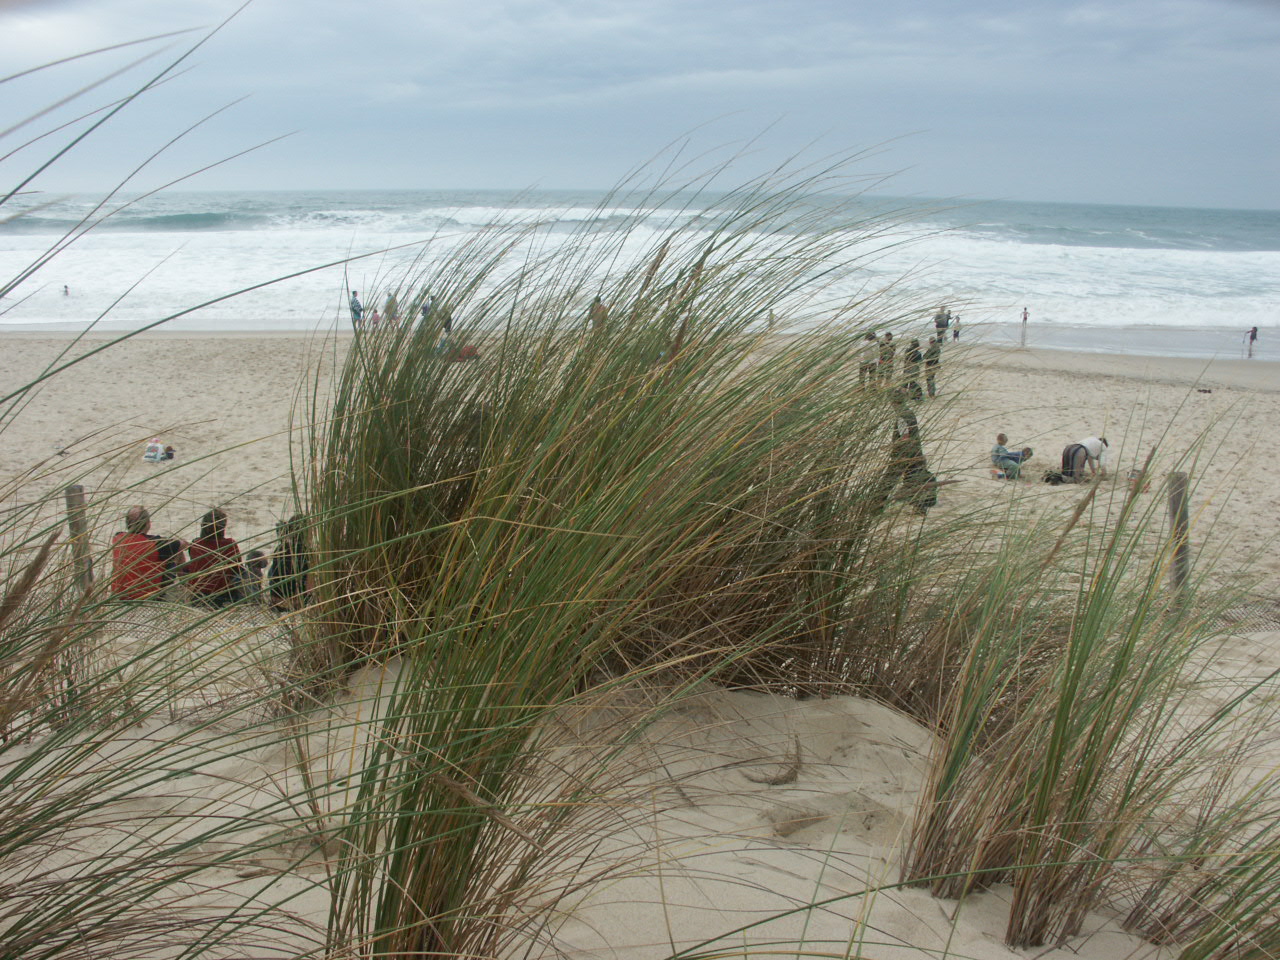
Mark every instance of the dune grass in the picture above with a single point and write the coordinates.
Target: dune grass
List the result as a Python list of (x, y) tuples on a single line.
[(1067, 746), (671, 493)]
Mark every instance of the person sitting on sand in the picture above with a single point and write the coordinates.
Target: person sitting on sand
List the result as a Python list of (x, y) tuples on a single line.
[(142, 564), (1008, 463), (255, 570), (287, 581), (215, 574), (1088, 452)]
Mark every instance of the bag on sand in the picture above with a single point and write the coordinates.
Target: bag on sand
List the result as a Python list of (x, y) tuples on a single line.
[(467, 352), (1053, 477)]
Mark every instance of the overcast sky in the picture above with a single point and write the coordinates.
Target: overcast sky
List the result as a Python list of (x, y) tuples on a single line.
[(1168, 102)]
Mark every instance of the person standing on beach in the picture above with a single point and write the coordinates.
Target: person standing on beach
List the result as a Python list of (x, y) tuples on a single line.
[(1025, 315), (868, 357), (357, 308), (955, 328), (932, 357), (906, 470), (1252, 338), (911, 358), (941, 320), (887, 351), (598, 314), (438, 313)]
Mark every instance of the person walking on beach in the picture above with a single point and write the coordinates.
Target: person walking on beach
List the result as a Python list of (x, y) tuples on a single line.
[(1251, 337), (357, 308), (932, 357), (887, 351), (955, 328), (1025, 315)]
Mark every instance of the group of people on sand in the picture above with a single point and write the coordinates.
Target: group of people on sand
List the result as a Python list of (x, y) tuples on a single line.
[(431, 313), (1077, 459), (878, 366), (906, 475), (390, 312), (144, 565)]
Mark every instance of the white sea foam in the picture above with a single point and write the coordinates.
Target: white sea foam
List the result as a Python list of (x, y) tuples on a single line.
[(1071, 266)]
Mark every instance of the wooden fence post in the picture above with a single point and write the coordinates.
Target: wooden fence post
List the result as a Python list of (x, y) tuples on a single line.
[(1180, 525), (79, 526)]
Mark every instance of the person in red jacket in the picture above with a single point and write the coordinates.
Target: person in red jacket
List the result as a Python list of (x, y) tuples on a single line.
[(215, 574), (142, 564)]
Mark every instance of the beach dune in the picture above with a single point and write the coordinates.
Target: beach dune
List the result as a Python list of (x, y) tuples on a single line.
[(780, 803)]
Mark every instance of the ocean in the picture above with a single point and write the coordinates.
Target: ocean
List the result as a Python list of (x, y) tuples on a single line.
[(1148, 280)]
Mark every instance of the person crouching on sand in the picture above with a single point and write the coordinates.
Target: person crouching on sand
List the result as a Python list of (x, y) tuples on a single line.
[(1088, 452)]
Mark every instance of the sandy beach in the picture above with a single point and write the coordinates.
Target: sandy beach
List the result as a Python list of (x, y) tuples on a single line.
[(232, 403), (739, 841)]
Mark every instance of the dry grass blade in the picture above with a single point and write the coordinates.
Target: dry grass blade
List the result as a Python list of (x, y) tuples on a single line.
[(16, 595)]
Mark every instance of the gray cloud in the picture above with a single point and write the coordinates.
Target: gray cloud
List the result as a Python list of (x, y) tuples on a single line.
[(1145, 101)]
